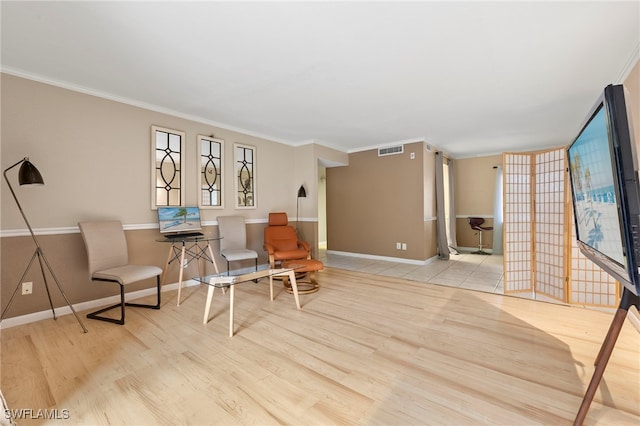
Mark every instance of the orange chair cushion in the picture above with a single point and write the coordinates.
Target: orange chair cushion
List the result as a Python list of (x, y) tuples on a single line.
[(281, 238), (278, 219), (308, 265), (290, 255)]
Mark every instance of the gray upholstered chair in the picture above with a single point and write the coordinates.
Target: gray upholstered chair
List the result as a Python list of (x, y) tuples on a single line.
[(108, 256), (233, 245)]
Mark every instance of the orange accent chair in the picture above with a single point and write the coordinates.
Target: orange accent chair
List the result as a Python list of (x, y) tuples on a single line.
[(281, 241)]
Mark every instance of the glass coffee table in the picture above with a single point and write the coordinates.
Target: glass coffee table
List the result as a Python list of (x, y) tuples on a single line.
[(225, 282)]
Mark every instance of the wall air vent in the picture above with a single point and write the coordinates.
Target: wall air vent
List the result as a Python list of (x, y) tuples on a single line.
[(390, 150)]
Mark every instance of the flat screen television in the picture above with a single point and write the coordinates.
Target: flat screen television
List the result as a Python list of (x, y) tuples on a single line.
[(179, 220), (603, 171)]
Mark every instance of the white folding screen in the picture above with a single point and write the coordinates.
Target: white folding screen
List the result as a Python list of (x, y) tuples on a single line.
[(549, 223), (540, 251), (517, 223), (590, 285)]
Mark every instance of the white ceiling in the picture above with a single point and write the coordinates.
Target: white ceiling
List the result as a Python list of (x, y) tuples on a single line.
[(470, 78)]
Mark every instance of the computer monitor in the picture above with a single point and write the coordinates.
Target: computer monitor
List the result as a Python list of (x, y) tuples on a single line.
[(605, 189), (179, 220)]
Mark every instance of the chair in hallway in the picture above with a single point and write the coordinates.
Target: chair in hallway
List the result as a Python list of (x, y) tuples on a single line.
[(233, 245), (476, 224), (108, 257)]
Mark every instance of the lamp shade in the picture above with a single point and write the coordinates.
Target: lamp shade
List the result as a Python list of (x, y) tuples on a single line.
[(302, 193), (29, 175)]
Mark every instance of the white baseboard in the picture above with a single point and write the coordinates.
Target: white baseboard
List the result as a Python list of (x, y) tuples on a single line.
[(467, 250), (92, 304), (387, 258)]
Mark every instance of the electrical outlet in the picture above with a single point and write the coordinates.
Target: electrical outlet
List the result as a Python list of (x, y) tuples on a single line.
[(398, 246), (404, 246), (27, 288)]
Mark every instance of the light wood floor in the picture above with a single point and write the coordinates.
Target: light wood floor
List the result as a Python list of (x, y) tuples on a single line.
[(364, 350)]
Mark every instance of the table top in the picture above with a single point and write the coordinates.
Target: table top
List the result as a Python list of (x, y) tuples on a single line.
[(188, 239), (224, 280)]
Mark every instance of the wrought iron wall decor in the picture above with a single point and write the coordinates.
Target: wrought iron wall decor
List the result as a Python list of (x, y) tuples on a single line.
[(167, 171), (211, 158), (245, 169)]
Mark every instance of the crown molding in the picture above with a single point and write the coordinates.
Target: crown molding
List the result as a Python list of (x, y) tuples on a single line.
[(151, 107)]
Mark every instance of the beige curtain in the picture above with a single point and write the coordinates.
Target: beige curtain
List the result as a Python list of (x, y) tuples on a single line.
[(445, 223)]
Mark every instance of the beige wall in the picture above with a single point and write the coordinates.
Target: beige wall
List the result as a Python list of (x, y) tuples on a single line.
[(376, 202), (632, 84), (474, 195), (94, 155), (77, 141), (67, 256), (475, 185)]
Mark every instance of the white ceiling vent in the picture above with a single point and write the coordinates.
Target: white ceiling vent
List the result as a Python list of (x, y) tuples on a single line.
[(390, 150)]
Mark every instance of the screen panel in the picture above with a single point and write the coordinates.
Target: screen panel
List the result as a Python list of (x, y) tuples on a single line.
[(538, 234), (517, 230), (590, 284), (549, 224)]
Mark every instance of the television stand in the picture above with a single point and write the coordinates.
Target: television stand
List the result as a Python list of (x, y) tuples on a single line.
[(628, 300)]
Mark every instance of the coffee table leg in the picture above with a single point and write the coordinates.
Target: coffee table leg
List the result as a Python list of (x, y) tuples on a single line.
[(271, 287), (231, 296), (207, 307), (294, 286), (213, 259)]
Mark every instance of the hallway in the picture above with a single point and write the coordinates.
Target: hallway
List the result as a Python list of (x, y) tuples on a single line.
[(465, 270)]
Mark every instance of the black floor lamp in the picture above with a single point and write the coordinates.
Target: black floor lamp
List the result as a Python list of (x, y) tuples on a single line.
[(302, 193), (29, 175)]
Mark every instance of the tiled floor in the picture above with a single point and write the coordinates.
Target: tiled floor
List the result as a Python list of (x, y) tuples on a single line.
[(470, 271)]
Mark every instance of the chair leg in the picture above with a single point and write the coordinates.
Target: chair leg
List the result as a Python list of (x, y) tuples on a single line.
[(140, 305), (256, 269), (96, 315), (480, 247)]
